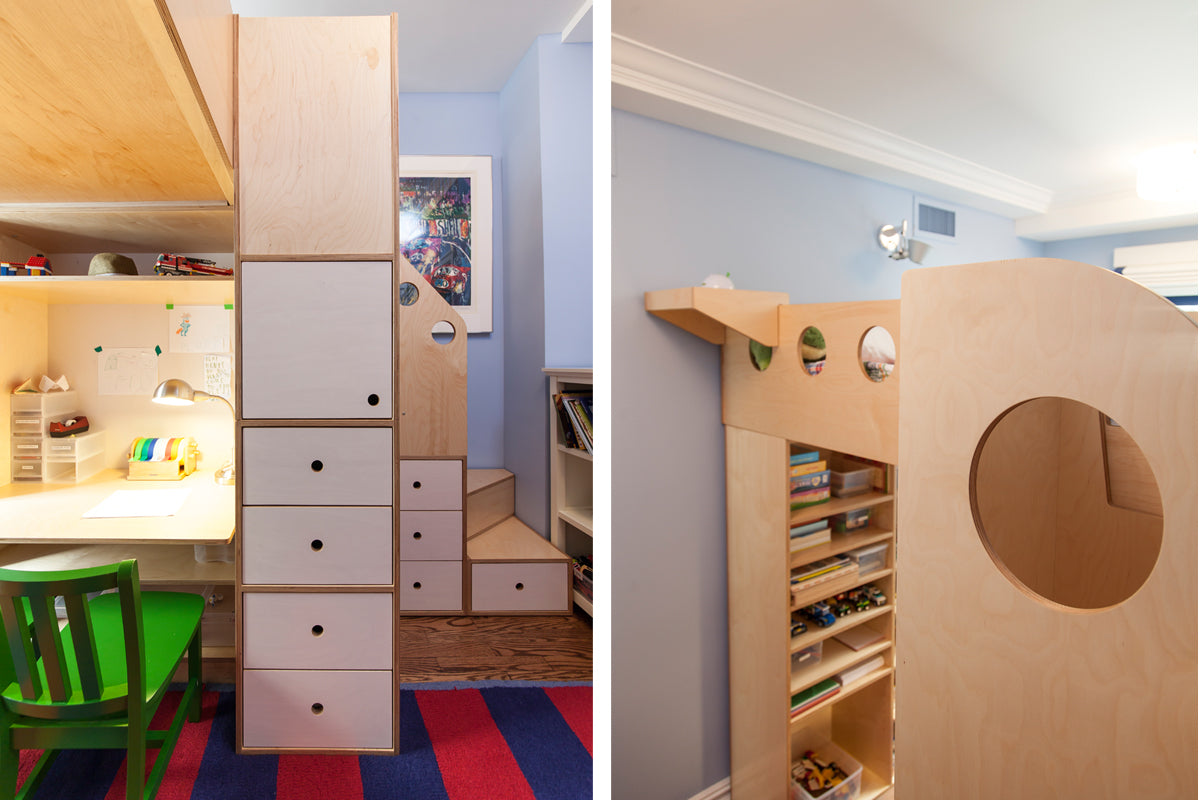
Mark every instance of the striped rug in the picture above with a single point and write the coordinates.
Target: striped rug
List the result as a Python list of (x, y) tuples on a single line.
[(507, 742)]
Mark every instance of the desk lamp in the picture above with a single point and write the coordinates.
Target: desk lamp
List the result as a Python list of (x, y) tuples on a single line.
[(176, 392)]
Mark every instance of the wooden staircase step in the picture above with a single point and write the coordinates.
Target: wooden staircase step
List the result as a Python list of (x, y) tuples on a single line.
[(512, 540), (491, 497)]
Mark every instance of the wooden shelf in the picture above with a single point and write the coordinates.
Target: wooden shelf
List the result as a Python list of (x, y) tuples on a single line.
[(815, 634), (580, 518), (708, 312), (835, 658), (582, 602), (846, 691), (575, 452), (840, 543), (838, 505), (140, 289), (837, 586)]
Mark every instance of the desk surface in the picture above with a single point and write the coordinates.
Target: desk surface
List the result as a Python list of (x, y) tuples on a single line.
[(53, 512)]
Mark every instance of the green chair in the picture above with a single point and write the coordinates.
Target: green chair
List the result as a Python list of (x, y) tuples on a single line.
[(98, 681)]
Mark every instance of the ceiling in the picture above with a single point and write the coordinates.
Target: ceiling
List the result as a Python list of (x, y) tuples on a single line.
[(1035, 109), (447, 45)]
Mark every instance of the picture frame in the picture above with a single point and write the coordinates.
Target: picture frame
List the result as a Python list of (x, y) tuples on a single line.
[(445, 230)]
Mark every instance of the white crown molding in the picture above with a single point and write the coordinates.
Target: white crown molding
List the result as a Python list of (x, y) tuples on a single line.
[(1118, 212), (660, 85), (579, 28)]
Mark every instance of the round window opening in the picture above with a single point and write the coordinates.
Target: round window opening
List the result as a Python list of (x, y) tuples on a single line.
[(812, 350), (1066, 504)]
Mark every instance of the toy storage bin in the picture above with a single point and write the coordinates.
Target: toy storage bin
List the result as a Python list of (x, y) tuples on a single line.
[(827, 751), (47, 404), (73, 458), (26, 469), (870, 558), (808, 656), (851, 520), (845, 484)]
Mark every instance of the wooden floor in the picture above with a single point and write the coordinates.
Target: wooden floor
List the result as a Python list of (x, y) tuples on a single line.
[(536, 648)]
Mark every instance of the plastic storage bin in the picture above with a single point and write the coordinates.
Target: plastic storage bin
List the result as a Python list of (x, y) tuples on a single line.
[(846, 484), (870, 558), (851, 520), (827, 751), (807, 657), (73, 458)]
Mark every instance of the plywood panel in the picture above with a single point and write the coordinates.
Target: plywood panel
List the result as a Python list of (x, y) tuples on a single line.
[(25, 322), (1030, 698), (756, 498), (204, 29), (89, 115), (431, 383), (840, 408), (123, 228), (315, 135)]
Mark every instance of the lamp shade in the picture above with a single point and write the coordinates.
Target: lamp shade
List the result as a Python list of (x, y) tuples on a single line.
[(174, 392)]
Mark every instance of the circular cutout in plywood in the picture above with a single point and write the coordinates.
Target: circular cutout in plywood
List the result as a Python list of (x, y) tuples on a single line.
[(812, 350), (877, 353), (408, 293), (1066, 504), (443, 332)]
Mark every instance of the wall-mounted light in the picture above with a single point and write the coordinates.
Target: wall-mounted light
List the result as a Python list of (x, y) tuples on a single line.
[(899, 246)]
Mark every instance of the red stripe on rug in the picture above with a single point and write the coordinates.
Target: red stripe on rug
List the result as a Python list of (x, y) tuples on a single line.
[(318, 778), (189, 750), (28, 760), (575, 705), (472, 754)]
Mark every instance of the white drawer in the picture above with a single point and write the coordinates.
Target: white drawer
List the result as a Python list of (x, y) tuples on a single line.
[(431, 586), (316, 466), (27, 447), (431, 535), (542, 586), (288, 630), (326, 709), (26, 469), (431, 485), (331, 545)]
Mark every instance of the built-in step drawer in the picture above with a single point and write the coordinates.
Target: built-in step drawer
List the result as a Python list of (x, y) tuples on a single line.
[(319, 709), (316, 466), (521, 587), (431, 586), (431, 535), (331, 545), (299, 630), (431, 485)]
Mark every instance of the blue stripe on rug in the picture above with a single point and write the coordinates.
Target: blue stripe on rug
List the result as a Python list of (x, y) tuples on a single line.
[(82, 775), (442, 685), (554, 761), (224, 775), (415, 769)]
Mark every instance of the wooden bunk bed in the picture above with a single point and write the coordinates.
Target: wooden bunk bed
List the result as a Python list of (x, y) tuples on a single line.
[(1040, 624)]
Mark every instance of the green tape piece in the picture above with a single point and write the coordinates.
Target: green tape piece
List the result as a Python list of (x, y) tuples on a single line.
[(170, 306), (157, 350), (229, 306), (98, 349)]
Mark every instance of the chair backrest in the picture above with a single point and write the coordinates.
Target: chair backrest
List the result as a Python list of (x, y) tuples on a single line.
[(66, 683)]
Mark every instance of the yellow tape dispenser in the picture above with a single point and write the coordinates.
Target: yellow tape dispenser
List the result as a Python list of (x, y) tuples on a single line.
[(162, 459)]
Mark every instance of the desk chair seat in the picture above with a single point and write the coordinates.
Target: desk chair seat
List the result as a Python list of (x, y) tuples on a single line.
[(98, 681)]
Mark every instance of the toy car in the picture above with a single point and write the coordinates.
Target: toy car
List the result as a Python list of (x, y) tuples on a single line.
[(842, 604), (877, 597), (820, 614), (799, 626), (171, 264)]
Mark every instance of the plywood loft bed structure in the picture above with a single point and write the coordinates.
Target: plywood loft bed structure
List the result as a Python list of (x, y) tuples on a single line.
[(1040, 623)]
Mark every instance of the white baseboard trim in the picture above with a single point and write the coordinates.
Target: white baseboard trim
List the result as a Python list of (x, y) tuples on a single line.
[(718, 791)]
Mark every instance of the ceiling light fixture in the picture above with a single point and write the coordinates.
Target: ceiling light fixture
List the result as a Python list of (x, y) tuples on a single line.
[(1168, 173), (899, 246)]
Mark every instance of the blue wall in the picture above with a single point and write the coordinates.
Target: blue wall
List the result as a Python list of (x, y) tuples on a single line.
[(1098, 250), (468, 124), (684, 205)]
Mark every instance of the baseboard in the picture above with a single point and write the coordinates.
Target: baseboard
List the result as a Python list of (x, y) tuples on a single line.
[(718, 791)]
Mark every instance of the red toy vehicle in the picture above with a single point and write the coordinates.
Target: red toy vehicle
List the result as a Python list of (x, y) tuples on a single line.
[(171, 264)]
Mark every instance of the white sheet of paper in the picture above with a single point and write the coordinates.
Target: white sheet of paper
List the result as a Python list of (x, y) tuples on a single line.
[(127, 370), (199, 329), (130, 503), (218, 375)]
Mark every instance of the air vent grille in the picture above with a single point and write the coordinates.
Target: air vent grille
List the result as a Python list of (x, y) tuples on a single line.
[(931, 219)]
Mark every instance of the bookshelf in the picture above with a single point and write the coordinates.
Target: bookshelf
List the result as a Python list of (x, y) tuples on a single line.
[(570, 479)]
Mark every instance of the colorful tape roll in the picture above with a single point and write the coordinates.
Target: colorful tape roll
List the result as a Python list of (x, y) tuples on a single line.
[(146, 448)]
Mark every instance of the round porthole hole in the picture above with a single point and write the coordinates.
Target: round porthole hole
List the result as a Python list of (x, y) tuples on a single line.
[(812, 350)]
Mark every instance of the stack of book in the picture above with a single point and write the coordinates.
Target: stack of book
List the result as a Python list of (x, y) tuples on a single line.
[(809, 480), (802, 701), (810, 535), (822, 571), (575, 418)]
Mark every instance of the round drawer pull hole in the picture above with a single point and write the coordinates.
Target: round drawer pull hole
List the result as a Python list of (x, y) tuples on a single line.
[(520, 586), (317, 708), (316, 544), (372, 399), (416, 534), (317, 466), (416, 484), (417, 585), (317, 630)]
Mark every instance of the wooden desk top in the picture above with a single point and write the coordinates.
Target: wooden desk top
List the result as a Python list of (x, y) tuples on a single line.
[(53, 512)]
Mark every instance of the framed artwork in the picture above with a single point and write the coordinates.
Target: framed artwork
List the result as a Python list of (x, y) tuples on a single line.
[(445, 207)]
